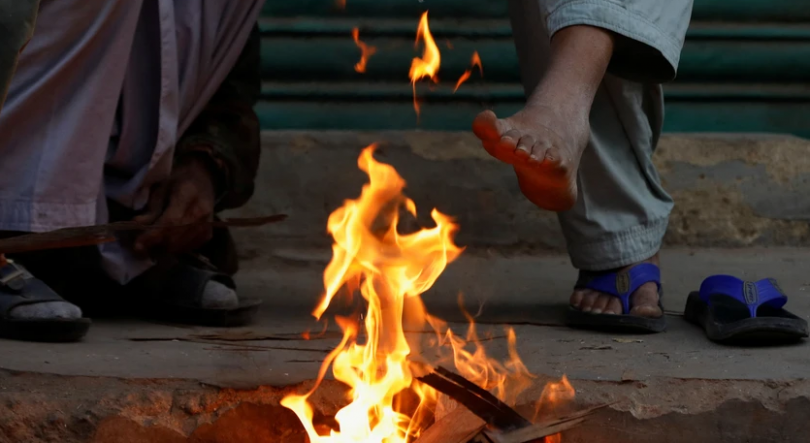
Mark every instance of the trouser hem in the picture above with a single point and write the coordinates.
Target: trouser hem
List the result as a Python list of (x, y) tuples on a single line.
[(619, 249)]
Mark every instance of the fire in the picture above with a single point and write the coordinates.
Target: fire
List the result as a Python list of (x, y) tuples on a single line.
[(366, 51), (428, 65), (391, 270), (476, 61)]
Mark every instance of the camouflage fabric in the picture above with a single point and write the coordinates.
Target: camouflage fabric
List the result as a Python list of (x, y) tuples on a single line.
[(17, 18)]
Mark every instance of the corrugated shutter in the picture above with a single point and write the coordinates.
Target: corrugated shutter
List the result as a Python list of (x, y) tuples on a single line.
[(745, 66)]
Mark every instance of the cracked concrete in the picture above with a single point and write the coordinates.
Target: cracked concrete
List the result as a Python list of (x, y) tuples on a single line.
[(729, 190), (132, 381)]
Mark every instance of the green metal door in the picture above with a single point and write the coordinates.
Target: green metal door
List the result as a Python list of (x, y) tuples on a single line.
[(745, 66)]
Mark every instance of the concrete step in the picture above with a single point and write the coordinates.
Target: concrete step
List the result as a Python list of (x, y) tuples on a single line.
[(137, 382), (730, 190)]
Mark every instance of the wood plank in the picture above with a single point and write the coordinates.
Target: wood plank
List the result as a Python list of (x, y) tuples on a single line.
[(545, 428), (458, 426)]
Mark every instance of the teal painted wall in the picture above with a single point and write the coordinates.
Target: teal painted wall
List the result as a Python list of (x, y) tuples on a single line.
[(745, 66)]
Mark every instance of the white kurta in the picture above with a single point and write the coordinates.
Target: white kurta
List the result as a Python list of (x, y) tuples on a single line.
[(102, 93)]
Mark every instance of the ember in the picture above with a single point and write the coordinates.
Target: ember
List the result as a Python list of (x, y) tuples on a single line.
[(391, 271), (428, 65), (366, 51), (476, 61)]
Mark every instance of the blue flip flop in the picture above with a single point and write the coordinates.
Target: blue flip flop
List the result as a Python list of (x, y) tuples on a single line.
[(730, 309), (620, 285)]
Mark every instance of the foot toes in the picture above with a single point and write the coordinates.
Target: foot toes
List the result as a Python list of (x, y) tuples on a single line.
[(614, 306), (538, 152), (218, 296), (50, 310), (487, 126), (588, 301), (645, 301), (600, 303), (576, 299), (525, 147)]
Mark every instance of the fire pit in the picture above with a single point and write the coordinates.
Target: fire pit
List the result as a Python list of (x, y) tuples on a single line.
[(391, 370)]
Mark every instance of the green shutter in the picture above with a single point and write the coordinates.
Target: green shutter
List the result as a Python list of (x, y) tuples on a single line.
[(745, 66)]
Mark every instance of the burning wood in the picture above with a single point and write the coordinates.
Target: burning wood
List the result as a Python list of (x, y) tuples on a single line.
[(96, 235), (393, 387), (484, 415)]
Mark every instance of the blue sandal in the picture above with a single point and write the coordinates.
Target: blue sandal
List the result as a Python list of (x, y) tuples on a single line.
[(620, 285), (730, 309)]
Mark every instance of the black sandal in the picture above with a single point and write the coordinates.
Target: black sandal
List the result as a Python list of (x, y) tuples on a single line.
[(17, 288), (732, 310), (176, 287)]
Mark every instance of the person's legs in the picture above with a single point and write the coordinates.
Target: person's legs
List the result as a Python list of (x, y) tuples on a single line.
[(207, 39), (591, 133), (57, 120)]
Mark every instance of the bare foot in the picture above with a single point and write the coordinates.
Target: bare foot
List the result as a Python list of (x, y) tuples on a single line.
[(643, 302), (544, 146), (544, 141)]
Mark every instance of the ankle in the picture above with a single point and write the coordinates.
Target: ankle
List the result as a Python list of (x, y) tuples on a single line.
[(579, 59)]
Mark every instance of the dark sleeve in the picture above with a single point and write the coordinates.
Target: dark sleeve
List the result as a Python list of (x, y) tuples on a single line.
[(17, 20), (227, 131)]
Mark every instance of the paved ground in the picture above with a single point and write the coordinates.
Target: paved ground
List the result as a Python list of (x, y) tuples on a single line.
[(662, 377), (137, 382)]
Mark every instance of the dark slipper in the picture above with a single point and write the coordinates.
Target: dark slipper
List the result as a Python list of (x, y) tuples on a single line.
[(730, 309), (620, 285), (17, 288), (177, 287)]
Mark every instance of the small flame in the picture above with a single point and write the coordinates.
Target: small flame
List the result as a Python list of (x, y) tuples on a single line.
[(428, 65), (506, 380), (476, 61), (366, 51), (341, 4), (555, 394)]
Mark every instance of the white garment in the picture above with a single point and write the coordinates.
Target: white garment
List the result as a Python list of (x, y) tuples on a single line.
[(101, 95)]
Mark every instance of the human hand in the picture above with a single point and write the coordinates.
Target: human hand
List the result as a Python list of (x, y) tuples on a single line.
[(187, 197)]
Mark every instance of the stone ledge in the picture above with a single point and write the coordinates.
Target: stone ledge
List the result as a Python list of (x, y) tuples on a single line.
[(37, 408), (730, 190)]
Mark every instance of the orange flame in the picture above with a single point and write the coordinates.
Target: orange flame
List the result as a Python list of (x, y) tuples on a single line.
[(391, 271), (428, 65), (366, 51), (341, 4), (554, 394), (476, 61)]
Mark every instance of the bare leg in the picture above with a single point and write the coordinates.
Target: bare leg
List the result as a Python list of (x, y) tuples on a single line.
[(544, 141)]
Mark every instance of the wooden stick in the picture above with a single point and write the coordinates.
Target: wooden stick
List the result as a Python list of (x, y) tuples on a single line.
[(543, 429), (459, 426), (497, 415), (96, 235)]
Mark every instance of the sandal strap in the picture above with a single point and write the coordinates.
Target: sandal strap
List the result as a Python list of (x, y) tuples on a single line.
[(12, 277), (621, 284), (18, 287)]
